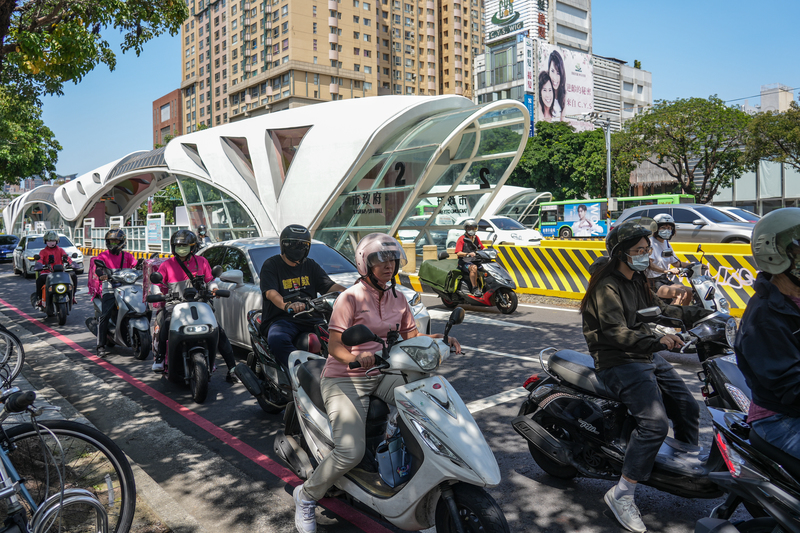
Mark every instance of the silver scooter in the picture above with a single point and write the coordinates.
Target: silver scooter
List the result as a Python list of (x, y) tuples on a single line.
[(705, 289), (432, 472), (130, 325)]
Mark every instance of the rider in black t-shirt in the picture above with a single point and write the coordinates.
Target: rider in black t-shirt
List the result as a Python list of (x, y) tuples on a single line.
[(287, 274)]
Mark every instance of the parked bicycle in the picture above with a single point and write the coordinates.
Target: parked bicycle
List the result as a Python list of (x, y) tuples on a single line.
[(12, 356)]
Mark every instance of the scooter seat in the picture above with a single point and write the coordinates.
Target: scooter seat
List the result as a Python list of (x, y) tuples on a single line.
[(789, 463), (309, 374), (577, 369)]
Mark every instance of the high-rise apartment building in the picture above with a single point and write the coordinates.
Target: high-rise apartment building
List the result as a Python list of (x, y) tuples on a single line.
[(243, 58)]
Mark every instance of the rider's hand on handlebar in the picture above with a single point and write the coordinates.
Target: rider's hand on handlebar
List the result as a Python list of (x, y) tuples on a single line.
[(671, 341), (455, 346), (103, 278), (674, 270), (367, 360), (296, 307)]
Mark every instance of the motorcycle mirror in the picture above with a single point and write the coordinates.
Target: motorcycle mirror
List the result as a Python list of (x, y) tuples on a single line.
[(457, 316), (216, 271), (443, 255), (699, 248), (74, 255), (648, 314), (358, 334), (156, 277), (99, 263), (494, 237), (36, 257)]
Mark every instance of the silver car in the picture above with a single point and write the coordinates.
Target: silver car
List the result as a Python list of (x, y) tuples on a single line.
[(31, 245), (696, 223), (248, 255)]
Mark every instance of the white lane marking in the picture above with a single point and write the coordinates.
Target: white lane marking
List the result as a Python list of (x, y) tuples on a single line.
[(472, 318), (511, 355), (497, 399), (567, 309)]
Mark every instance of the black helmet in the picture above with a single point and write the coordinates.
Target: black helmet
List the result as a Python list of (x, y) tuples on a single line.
[(470, 226), (201, 229), (632, 230), (295, 242), (183, 237), (117, 235)]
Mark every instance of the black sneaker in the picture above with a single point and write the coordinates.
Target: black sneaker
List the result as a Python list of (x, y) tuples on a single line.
[(231, 377), (477, 293), (102, 352)]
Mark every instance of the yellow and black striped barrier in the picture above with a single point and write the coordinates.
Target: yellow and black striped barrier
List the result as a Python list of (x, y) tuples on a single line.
[(561, 268)]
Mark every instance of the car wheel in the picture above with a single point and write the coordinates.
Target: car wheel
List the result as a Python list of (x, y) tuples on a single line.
[(451, 245)]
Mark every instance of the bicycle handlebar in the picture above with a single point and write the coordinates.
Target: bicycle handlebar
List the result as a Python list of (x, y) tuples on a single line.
[(20, 401)]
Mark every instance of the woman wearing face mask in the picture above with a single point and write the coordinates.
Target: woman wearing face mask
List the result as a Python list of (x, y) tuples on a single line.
[(664, 262), (624, 356)]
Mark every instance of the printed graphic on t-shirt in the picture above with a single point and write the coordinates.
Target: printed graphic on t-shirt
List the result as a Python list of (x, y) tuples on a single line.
[(296, 283)]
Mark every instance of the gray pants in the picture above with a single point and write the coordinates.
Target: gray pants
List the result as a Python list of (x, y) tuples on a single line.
[(347, 402)]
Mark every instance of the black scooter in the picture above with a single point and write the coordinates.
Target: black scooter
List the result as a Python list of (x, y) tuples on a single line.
[(57, 292), (575, 426), (262, 375), (761, 477)]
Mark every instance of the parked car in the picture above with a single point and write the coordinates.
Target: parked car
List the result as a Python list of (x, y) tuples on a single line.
[(507, 230), (7, 245), (31, 245), (696, 223), (742, 215), (248, 255)]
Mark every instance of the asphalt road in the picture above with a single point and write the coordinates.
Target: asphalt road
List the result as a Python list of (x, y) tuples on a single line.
[(210, 465)]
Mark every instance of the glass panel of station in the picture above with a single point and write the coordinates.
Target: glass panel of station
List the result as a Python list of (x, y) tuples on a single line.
[(224, 217)]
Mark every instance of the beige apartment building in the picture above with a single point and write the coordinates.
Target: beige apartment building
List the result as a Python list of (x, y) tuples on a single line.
[(245, 58)]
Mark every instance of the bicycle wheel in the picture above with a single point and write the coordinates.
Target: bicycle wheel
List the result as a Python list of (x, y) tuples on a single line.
[(90, 461), (12, 355)]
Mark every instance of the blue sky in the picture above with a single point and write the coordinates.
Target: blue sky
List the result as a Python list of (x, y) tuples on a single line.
[(693, 48)]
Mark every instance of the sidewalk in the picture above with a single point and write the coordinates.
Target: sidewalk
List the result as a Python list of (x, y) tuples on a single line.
[(155, 509)]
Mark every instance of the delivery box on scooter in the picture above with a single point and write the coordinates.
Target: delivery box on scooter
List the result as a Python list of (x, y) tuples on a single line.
[(442, 275)]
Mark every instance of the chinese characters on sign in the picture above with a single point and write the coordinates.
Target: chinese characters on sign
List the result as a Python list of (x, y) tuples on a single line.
[(366, 203), (529, 66), (565, 86)]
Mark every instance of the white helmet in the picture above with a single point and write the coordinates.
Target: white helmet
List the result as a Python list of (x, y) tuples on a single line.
[(379, 248), (776, 242), (663, 219)]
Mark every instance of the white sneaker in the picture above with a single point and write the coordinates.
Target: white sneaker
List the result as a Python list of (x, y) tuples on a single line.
[(625, 511), (158, 366), (305, 519)]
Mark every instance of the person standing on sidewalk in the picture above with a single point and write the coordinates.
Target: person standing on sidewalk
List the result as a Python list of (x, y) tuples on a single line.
[(114, 257)]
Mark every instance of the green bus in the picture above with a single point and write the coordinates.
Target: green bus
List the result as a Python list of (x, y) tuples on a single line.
[(591, 218)]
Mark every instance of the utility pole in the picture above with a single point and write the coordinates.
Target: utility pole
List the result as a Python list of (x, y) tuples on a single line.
[(597, 120)]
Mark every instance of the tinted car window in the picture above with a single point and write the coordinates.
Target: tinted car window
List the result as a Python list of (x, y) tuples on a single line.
[(714, 215), (5, 240), (214, 255), (329, 259), (653, 211), (484, 226), (35, 242), (236, 260), (64, 242), (507, 224), (747, 215), (684, 216)]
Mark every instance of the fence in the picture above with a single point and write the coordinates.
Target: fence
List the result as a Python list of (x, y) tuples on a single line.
[(135, 237), (562, 268)]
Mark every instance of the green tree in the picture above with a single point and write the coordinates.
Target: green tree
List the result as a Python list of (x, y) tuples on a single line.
[(776, 136), (697, 141), (27, 146), (164, 201), (568, 164)]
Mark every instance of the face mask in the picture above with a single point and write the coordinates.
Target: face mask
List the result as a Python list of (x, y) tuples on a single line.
[(665, 233), (471, 232), (51, 244), (182, 251), (639, 263)]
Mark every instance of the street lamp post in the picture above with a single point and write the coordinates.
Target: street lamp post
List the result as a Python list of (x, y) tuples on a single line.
[(597, 120)]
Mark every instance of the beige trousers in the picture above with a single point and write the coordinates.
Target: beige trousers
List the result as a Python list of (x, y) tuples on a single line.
[(347, 402)]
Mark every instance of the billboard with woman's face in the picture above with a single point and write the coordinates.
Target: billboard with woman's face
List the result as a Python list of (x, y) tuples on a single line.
[(565, 85)]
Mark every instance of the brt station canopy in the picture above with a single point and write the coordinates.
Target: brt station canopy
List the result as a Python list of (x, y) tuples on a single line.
[(394, 164)]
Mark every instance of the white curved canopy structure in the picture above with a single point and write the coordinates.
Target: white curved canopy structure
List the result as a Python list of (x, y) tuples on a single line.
[(341, 168)]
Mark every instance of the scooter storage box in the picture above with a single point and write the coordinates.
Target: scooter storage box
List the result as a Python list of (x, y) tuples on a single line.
[(442, 275)]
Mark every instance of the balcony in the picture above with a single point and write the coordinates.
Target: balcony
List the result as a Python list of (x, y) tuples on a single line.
[(333, 21), (459, 90), (431, 31), (333, 5), (431, 5), (456, 25), (459, 77), (458, 64), (431, 72), (333, 38), (432, 85), (431, 18), (334, 88), (333, 54), (457, 38)]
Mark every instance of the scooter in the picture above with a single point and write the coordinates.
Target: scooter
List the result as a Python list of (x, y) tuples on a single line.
[(132, 314), (575, 426), (193, 333), (57, 292), (434, 471), (262, 375), (446, 279), (761, 477), (705, 289)]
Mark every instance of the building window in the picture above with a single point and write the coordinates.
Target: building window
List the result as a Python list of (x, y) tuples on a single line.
[(285, 44), (314, 11), (315, 46), (314, 28)]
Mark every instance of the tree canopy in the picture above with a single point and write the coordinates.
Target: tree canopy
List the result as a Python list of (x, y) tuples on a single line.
[(569, 164), (697, 141), (27, 146), (776, 136)]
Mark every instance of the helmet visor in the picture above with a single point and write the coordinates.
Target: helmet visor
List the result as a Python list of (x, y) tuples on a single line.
[(383, 256), (636, 227), (295, 250)]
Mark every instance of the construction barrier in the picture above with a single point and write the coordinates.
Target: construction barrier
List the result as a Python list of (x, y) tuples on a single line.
[(561, 268)]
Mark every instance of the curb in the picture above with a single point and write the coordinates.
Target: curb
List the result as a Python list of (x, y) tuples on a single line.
[(168, 511)]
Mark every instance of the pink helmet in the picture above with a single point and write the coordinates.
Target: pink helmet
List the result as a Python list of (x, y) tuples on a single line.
[(378, 248)]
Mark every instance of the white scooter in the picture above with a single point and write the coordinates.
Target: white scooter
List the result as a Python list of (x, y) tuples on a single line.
[(706, 291), (434, 472)]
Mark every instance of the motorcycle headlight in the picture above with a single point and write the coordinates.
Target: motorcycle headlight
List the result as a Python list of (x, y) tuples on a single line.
[(416, 300), (129, 277), (724, 306), (196, 330), (427, 358), (61, 288), (730, 331), (435, 444)]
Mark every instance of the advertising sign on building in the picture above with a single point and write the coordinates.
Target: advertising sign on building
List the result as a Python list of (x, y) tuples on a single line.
[(505, 18), (565, 87), (529, 65), (529, 100)]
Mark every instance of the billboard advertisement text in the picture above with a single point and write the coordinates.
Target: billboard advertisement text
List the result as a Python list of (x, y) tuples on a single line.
[(565, 85)]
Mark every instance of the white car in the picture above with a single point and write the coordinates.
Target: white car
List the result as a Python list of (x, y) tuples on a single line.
[(248, 255), (31, 245), (741, 215), (505, 229)]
